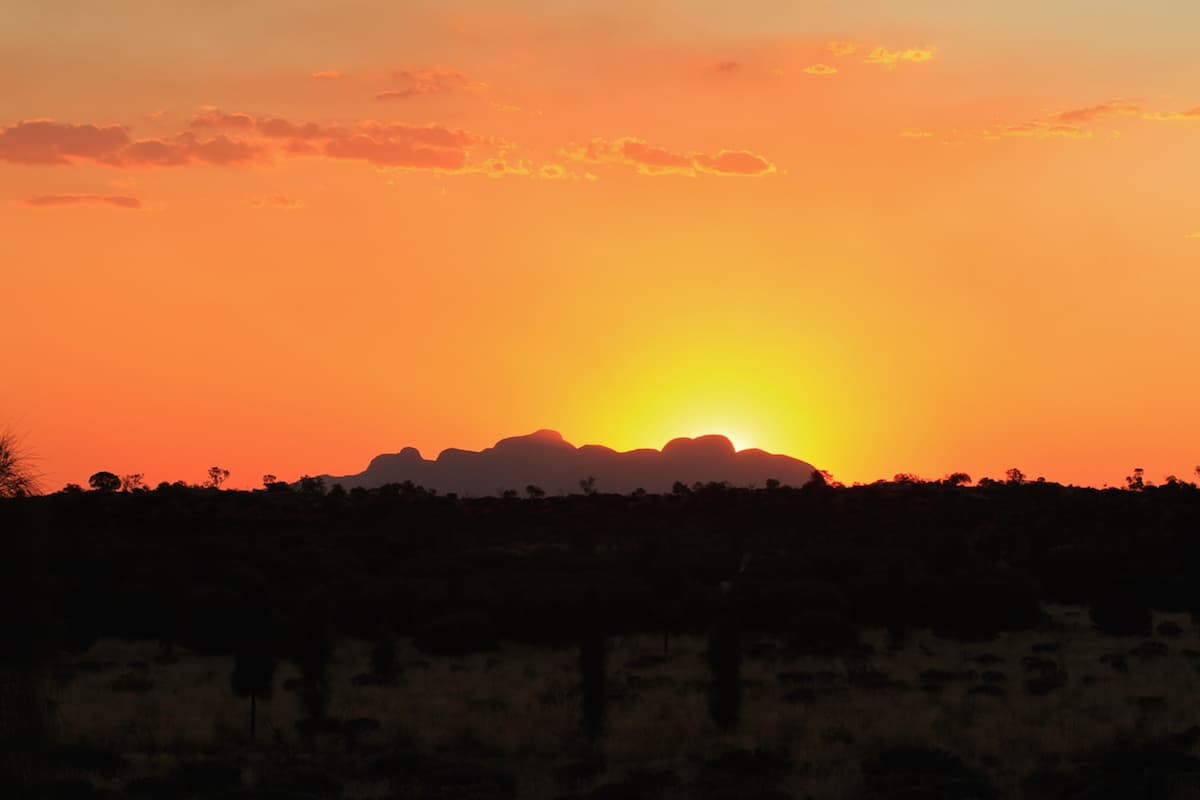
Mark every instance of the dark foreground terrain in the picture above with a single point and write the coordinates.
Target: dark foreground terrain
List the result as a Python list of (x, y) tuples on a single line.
[(903, 639)]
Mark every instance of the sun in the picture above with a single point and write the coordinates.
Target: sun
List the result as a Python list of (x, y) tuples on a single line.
[(739, 438)]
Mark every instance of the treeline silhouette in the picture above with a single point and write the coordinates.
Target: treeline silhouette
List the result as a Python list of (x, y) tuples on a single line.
[(812, 563)]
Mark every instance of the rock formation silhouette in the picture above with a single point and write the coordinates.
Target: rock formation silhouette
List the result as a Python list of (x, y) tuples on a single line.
[(546, 460)]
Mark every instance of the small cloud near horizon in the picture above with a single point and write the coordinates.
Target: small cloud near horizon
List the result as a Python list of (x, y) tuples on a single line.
[(890, 58), (61, 200), (279, 201), (650, 160)]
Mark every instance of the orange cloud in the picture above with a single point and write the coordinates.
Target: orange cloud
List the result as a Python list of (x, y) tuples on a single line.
[(650, 160), (890, 58), (1112, 108), (59, 144), (47, 142), (820, 69), (57, 200), (734, 162), (916, 134), (276, 201), (842, 48), (328, 75), (429, 81), (215, 118), (1038, 130), (1172, 116)]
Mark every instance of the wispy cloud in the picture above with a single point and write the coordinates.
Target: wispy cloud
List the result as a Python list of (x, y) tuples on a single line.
[(1113, 108), (890, 58), (1038, 130), (415, 83), (45, 142), (279, 201), (1174, 116), (651, 160), (821, 69), (58, 200), (842, 48)]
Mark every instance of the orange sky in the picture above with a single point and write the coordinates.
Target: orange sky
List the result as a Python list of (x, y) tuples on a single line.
[(286, 236)]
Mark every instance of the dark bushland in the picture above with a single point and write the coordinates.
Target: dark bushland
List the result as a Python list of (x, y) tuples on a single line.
[(812, 565)]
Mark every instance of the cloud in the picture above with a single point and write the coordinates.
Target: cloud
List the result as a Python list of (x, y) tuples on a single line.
[(1123, 108), (328, 75), (215, 118), (890, 58), (842, 48), (237, 139), (429, 81), (379, 143), (279, 201), (44, 142), (47, 142), (58, 200), (400, 145), (650, 160), (1038, 130), (916, 134), (1174, 116), (734, 162), (726, 67), (821, 69), (1112, 108), (1193, 235)]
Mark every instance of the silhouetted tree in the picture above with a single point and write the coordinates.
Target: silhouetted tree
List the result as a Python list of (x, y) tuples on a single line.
[(254, 659), (1137, 481), (216, 476), (592, 669), (725, 665), (316, 651), (1015, 476), (957, 479), (104, 482), (311, 485), (17, 478), (383, 654), (132, 482), (588, 484), (269, 479), (535, 492)]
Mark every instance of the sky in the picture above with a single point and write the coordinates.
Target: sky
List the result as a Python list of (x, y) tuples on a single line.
[(885, 237)]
